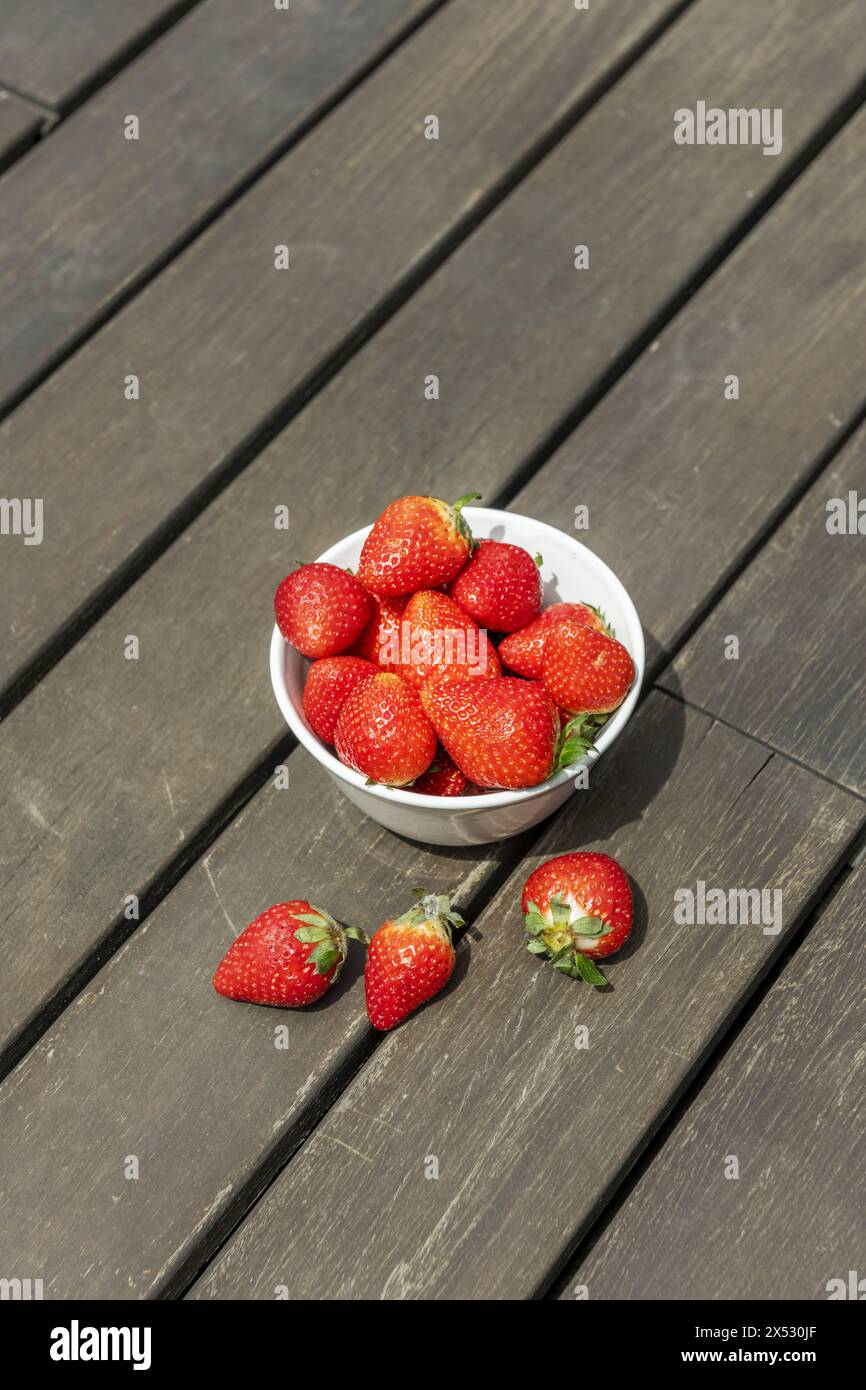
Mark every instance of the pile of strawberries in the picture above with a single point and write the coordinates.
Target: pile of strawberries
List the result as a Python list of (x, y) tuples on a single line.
[(408, 687), (577, 909), (405, 681)]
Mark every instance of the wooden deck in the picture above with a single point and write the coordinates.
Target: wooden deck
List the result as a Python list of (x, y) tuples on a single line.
[(563, 1170)]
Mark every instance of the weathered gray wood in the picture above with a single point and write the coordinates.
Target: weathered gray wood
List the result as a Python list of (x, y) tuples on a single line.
[(112, 764), (786, 1102), (151, 1062), (220, 340), (52, 49), (92, 211), (19, 126), (528, 1128), (679, 480), (799, 615)]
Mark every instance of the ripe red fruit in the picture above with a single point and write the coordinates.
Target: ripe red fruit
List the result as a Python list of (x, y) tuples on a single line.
[(410, 959), (500, 587), (383, 732), (585, 671), (523, 651), (577, 908), (382, 632), (321, 609), (439, 641), (500, 733), (417, 543), (330, 682), (290, 955), (442, 778)]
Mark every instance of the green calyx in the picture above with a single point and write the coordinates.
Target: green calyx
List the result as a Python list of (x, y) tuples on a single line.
[(576, 739), (460, 523), (554, 936), (431, 907), (329, 938), (599, 613)]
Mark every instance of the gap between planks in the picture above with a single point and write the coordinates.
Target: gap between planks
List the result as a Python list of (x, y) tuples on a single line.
[(271, 1167), (238, 460), (634, 1169), (139, 282), (105, 72), (171, 874)]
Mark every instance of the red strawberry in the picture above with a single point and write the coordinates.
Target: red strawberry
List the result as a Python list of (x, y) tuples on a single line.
[(290, 955), (585, 671), (500, 587), (438, 640), (442, 778), (321, 609), (417, 543), (523, 651), (410, 959), (575, 907), (500, 733), (384, 733), (380, 640), (330, 682)]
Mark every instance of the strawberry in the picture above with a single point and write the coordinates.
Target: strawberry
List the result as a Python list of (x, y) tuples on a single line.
[(577, 908), (321, 609), (585, 671), (438, 640), (523, 651), (442, 778), (500, 587), (330, 682), (382, 633), (500, 733), (410, 959), (417, 543), (384, 733), (290, 955)]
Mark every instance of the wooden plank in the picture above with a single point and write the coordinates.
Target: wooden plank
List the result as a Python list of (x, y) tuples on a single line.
[(114, 764), (19, 127), (203, 404), (219, 340), (93, 210), (786, 1102), (530, 1128), (54, 49), (151, 1061), (798, 613), (668, 459)]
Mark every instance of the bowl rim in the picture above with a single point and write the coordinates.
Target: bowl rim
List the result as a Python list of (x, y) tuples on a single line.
[(480, 800)]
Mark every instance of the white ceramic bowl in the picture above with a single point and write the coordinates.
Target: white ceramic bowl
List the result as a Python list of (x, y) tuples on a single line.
[(570, 573)]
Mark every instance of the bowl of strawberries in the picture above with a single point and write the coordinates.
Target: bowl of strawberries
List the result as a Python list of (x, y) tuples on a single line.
[(456, 670)]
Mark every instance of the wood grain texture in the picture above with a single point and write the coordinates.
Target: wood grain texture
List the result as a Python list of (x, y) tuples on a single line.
[(218, 343), (91, 211), (113, 764), (787, 1101), (19, 127), (679, 481), (53, 49), (150, 1061), (530, 1131), (222, 338), (799, 615), (111, 782)]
